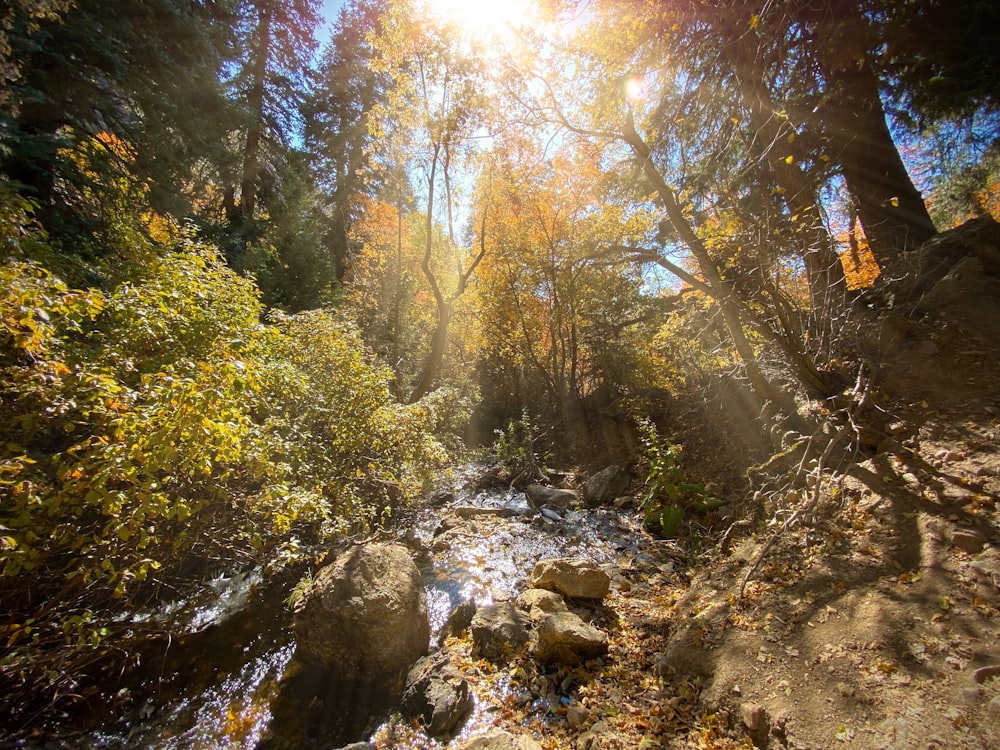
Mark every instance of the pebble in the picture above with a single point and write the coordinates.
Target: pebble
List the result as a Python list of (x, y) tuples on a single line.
[(968, 540)]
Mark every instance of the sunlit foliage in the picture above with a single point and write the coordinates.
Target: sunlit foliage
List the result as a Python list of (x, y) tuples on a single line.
[(159, 430)]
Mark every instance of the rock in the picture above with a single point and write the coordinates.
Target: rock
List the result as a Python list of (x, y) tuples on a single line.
[(500, 741), (472, 511), (458, 620), (497, 629), (754, 718), (437, 694), (442, 497), (448, 522), (539, 603), (595, 738), (917, 271), (968, 540), (983, 674), (885, 338), (993, 708), (966, 278), (563, 638), (576, 578), (624, 502), (577, 716), (539, 495), (604, 486), (364, 617)]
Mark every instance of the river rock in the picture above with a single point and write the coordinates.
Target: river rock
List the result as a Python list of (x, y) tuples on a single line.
[(539, 495), (604, 486), (458, 620), (563, 638), (437, 694), (574, 577), (364, 617), (497, 629), (539, 603), (500, 741)]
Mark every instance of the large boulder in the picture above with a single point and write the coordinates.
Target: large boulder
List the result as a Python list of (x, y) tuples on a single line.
[(574, 577), (437, 694), (365, 616), (564, 638), (604, 486), (539, 495), (497, 630)]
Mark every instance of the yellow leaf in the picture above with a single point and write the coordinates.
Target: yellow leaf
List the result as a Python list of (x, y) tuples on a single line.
[(754, 21), (789, 159)]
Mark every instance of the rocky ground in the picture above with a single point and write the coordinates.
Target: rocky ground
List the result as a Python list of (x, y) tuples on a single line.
[(868, 619)]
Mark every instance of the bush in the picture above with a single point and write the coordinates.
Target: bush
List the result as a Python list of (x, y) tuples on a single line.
[(670, 495), (153, 432)]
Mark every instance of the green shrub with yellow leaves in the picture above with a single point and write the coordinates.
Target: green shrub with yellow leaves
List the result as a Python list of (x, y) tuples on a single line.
[(156, 431)]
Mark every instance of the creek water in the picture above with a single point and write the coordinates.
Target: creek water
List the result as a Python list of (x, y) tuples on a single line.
[(214, 687)]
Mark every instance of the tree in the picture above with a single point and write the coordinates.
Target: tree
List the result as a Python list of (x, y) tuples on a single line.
[(439, 90), (339, 122), (560, 321), (279, 39), (95, 68)]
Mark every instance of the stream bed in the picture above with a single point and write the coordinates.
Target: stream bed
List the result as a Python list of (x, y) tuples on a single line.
[(215, 688)]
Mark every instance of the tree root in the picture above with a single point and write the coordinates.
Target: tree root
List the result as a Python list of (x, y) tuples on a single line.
[(860, 394)]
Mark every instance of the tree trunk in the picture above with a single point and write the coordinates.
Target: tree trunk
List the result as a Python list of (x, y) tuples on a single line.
[(722, 290), (890, 208), (435, 358), (255, 133)]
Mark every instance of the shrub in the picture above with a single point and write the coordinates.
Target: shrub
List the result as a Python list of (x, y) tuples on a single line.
[(161, 429), (670, 495)]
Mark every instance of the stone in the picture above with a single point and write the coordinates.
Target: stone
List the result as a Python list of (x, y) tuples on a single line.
[(964, 279), (983, 674), (437, 694), (564, 638), (364, 617), (576, 716), (968, 540), (497, 630), (500, 741), (754, 718), (538, 603), (458, 620), (539, 495), (604, 486), (575, 577), (474, 511), (993, 708)]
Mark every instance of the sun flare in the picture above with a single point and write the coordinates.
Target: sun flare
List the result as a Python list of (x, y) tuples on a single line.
[(487, 18)]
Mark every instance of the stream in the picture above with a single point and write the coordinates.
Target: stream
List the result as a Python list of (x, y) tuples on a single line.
[(214, 688)]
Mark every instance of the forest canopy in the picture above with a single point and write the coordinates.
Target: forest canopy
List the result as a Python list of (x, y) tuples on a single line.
[(265, 271)]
